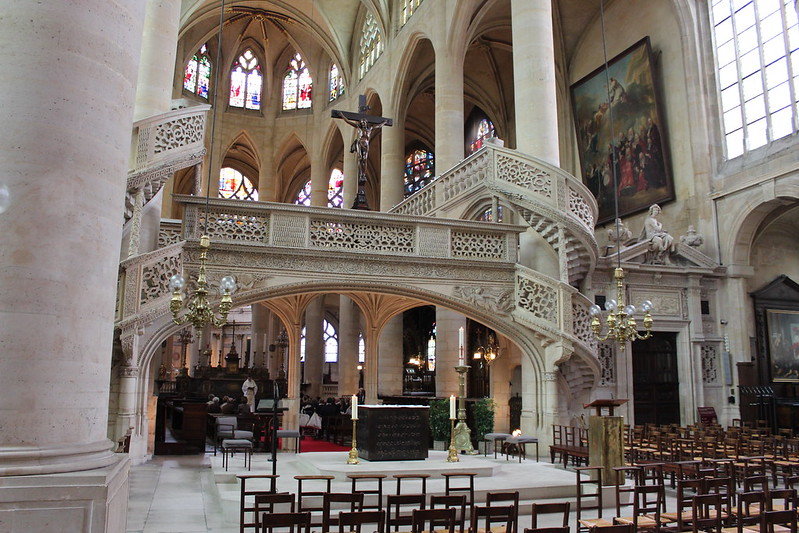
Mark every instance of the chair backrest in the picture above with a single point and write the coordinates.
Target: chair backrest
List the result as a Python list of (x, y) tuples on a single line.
[(268, 502), (399, 509), (786, 518), (430, 520), (550, 508), (286, 521), (353, 521), (484, 517), (779, 499), (227, 422), (648, 500), (454, 501), (510, 498), (752, 483), (706, 512), (335, 502)]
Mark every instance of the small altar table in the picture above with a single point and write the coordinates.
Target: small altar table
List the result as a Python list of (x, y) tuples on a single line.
[(393, 432)]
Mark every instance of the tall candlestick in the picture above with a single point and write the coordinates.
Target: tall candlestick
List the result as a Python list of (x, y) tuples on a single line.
[(452, 415), (354, 407)]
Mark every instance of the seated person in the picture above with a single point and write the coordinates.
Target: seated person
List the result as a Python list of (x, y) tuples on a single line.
[(243, 408), (228, 406), (215, 406)]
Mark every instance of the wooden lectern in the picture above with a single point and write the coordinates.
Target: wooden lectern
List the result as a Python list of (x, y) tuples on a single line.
[(606, 439)]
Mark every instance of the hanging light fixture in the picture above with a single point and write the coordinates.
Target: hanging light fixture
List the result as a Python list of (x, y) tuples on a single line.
[(620, 321), (199, 312), (487, 353)]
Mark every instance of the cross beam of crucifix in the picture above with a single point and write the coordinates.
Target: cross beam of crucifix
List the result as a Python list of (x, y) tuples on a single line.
[(365, 126)]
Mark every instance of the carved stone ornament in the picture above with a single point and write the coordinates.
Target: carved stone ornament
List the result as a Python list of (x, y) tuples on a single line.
[(498, 301), (692, 238), (129, 372), (550, 376)]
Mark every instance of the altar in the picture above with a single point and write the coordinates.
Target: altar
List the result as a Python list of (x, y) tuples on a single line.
[(393, 432)]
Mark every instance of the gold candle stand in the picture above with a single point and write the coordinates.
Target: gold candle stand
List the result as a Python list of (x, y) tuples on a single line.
[(353, 458), (452, 456)]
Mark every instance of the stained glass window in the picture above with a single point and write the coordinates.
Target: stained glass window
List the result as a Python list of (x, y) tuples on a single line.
[(757, 59), (246, 82), (335, 189), (233, 184), (330, 339), (371, 45), (336, 83), (304, 196), (419, 170), (431, 351), (198, 73), (408, 7), (297, 85), (488, 215), (361, 349), (485, 129)]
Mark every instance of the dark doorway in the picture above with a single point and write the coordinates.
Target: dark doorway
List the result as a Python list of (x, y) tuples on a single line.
[(656, 386)]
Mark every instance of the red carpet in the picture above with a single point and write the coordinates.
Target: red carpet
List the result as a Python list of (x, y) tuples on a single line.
[(312, 445)]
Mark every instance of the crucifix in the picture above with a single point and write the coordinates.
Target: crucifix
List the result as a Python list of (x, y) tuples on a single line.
[(365, 126)]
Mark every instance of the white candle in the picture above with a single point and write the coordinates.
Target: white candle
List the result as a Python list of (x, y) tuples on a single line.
[(452, 408), (354, 407), (460, 346)]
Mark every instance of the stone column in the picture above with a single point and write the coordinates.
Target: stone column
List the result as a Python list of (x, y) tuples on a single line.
[(392, 165), (350, 171), (319, 180), (314, 347), (449, 110), (347, 347), (58, 282), (391, 358), (447, 325), (157, 66), (260, 340), (534, 87)]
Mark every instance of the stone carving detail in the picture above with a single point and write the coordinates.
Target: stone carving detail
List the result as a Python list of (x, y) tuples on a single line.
[(579, 207), (607, 365), (582, 325), (497, 301), (661, 243), (625, 233), (155, 279), (237, 227), (355, 236), (538, 299), (482, 245), (524, 175), (550, 376), (128, 372), (288, 231), (692, 238), (169, 236), (710, 364), (433, 242), (180, 132)]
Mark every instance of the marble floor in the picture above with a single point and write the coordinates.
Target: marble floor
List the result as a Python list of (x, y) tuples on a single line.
[(193, 493)]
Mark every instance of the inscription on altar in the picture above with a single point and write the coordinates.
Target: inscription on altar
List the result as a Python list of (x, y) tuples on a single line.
[(393, 433)]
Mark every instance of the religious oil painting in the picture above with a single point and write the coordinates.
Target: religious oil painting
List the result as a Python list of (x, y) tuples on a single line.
[(783, 344), (618, 110)]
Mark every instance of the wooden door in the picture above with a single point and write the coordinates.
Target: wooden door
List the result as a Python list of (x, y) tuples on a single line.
[(656, 386)]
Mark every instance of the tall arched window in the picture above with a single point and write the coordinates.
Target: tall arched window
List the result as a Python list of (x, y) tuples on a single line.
[(233, 184), (336, 83), (297, 85), (304, 196), (330, 340), (408, 7), (198, 73), (756, 46), (419, 170), (484, 130), (246, 82), (335, 189), (370, 46), (361, 349)]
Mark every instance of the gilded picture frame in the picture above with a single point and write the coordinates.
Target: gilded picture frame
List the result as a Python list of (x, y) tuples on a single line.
[(783, 344)]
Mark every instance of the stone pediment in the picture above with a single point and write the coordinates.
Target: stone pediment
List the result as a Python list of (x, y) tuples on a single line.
[(683, 258)]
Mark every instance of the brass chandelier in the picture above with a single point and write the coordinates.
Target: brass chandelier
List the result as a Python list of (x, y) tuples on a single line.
[(199, 311), (486, 353), (620, 321)]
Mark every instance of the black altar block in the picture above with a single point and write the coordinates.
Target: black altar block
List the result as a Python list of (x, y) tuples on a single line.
[(393, 432)]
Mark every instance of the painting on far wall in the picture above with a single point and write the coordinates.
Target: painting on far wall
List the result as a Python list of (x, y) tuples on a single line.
[(618, 109), (783, 339)]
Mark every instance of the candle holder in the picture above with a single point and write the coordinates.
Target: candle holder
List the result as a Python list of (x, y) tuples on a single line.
[(462, 434), (353, 458), (452, 456)]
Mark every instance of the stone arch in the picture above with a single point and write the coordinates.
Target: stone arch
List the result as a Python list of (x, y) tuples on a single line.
[(294, 169), (242, 154)]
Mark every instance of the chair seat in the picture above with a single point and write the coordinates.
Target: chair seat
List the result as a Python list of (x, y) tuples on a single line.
[(236, 443), (498, 529), (595, 522), (643, 521), (673, 517)]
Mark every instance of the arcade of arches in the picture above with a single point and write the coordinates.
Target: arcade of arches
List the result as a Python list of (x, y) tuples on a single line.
[(495, 205)]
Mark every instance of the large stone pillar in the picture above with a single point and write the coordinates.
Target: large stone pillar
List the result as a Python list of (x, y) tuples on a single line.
[(347, 346), (314, 347), (260, 334), (391, 358), (58, 282), (319, 180), (449, 110), (157, 66), (392, 159), (534, 87), (447, 325)]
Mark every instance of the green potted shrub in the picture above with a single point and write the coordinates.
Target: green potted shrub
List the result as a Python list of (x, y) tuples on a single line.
[(483, 416), (439, 423)]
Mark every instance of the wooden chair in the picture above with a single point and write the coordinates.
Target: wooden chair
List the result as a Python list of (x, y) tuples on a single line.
[(647, 502), (707, 513), (593, 477), (468, 487), (561, 508), (334, 503), (494, 519), (615, 528), (420, 477), (433, 520), (724, 487), (304, 495), (248, 492), (286, 521), (686, 490), (748, 511), (779, 521), (622, 488), (454, 501), (267, 503), (563, 529), (376, 492), (400, 507), (508, 498), (354, 521)]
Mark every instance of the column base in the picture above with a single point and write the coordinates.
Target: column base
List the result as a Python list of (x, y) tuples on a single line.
[(88, 501)]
